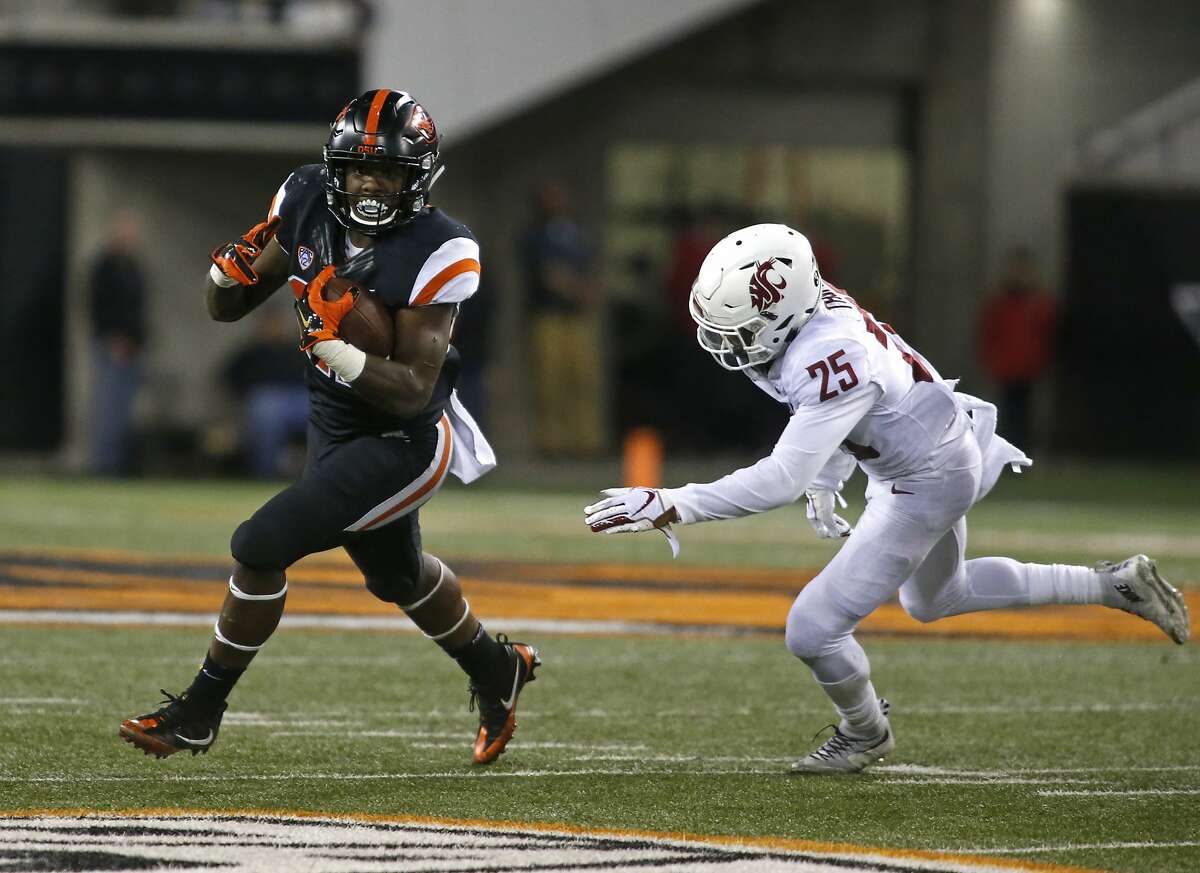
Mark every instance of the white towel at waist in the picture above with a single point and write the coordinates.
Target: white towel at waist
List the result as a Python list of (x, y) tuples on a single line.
[(471, 455)]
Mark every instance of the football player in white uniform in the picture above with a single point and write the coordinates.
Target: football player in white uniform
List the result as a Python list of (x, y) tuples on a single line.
[(859, 394)]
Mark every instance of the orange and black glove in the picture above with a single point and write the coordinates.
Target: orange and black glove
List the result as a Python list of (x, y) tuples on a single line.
[(319, 318), (235, 259)]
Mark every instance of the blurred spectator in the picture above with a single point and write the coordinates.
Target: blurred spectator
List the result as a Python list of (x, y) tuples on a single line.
[(267, 376), (118, 323), (563, 301), (1016, 338)]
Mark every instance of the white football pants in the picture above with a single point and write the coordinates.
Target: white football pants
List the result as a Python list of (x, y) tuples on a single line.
[(911, 540)]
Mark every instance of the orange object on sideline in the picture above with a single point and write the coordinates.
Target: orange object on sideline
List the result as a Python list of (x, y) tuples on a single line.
[(643, 456)]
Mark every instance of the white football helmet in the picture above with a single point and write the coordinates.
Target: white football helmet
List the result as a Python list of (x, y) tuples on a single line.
[(756, 289)]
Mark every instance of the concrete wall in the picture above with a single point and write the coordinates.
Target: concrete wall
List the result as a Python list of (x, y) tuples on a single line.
[(189, 203), (484, 61), (1059, 69), (988, 96)]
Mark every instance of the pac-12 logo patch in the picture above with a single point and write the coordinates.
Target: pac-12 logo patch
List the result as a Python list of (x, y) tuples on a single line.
[(305, 255)]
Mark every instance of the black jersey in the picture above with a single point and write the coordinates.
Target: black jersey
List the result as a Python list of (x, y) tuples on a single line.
[(431, 259)]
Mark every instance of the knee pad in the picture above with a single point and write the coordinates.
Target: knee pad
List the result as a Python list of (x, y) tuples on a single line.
[(918, 607), (400, 586), (808, 638), (258, 544)]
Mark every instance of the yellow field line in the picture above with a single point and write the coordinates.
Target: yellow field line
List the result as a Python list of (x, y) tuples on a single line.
[(341, 593)]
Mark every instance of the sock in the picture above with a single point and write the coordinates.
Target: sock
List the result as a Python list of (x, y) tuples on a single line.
[(845, 676), (486, 661), (857, 703), (213, 683), (998, 583)]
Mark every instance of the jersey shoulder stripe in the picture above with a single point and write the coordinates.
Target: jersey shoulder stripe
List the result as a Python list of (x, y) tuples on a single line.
[(432, 259), (450, 275)]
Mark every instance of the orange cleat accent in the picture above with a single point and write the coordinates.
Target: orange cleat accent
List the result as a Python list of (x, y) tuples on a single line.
[(498, 719)]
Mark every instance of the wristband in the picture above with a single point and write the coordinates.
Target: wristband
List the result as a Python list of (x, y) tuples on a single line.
[(219, 278), (344, 359)]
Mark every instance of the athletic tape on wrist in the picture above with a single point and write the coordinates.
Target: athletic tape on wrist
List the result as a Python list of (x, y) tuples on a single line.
[(432, 591), (344, 359), (221, 639), (457, 624), (219, 278), (242, 595)]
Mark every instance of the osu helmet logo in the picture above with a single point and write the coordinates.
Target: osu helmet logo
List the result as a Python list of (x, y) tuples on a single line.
[(423, 124), (763, 292)]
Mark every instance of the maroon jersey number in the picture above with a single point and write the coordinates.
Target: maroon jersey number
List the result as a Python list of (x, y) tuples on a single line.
[(847, 378)]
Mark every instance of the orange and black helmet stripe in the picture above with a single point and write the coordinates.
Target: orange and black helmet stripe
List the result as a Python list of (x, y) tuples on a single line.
[(377, 102)]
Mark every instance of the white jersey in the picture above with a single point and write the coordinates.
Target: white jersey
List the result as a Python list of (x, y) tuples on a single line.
[(852, 384), (842, 350)]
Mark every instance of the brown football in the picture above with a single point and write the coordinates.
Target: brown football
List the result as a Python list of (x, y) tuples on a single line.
[(369, 324)]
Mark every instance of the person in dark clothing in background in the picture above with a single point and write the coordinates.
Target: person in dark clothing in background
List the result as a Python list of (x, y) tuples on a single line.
[(267, 376), (118, 325), (564, 303)]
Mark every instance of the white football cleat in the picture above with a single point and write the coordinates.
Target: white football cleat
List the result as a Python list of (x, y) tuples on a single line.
[(843, 754), (1147, 595)]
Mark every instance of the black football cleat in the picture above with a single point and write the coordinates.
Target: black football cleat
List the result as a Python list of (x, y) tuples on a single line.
[(180, 726), (498, 715)]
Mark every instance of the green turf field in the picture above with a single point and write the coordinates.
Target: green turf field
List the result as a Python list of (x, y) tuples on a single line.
[(1071, 754)]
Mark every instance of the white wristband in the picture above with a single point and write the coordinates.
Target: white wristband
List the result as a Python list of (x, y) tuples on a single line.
[(344, 359), (219, 278)]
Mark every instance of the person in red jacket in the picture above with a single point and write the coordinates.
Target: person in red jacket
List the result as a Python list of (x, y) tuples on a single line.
[(1016, 339)]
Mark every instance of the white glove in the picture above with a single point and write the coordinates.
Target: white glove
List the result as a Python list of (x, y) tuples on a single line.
[(630, 510), (828, 524)]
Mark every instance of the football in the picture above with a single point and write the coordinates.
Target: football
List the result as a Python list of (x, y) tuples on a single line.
[(369, 324)]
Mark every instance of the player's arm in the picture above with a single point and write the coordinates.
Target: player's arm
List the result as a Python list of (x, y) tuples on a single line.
[(825, 414), (812, 435), (245, 272), (403, 384)]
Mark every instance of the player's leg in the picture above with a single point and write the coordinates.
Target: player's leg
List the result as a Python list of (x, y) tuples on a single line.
[(304, 518), (891, 540), (397, 571), (945, 584)]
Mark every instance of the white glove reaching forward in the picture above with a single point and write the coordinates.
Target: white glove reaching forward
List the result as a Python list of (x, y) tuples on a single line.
[(630, 510), (828, 524)]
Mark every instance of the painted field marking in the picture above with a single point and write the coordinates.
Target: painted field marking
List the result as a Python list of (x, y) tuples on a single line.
[(246, 840), (389, 734), (884, 776), (1073, 847), (1120, 792), (1083, 708)]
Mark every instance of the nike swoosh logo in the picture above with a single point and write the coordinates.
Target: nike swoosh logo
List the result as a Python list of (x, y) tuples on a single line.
[(512, 697), (204, 742), (896, 490), (649, 500)]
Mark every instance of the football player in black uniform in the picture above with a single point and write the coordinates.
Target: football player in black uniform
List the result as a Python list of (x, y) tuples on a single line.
[(383, 432)]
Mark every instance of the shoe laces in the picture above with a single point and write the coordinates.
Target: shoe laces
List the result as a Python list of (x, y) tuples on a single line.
[(835, 746)]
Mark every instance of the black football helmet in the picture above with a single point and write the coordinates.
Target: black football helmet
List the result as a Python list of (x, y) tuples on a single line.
[(388, 127)]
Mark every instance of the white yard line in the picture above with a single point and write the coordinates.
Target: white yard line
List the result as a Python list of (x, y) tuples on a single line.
[(1075, 847), (1120, 792), (1021, 708), (382, 777), (921, 770)]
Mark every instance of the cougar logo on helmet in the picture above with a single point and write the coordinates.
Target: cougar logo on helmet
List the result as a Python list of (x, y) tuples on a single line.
[(763, 293)]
